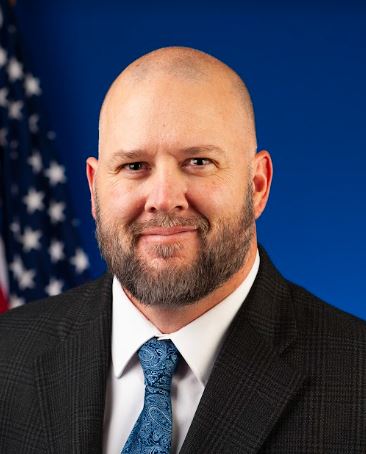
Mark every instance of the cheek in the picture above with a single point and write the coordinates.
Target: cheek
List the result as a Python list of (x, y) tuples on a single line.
[(215, 199), (120, 203)]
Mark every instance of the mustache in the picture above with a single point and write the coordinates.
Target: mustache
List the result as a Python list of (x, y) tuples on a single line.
[(166, 221)]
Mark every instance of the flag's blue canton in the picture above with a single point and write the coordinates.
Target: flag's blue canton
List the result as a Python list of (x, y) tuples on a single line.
[(38, 228)]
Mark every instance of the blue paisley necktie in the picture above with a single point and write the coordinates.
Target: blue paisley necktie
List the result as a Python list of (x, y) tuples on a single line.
[(152, 433)]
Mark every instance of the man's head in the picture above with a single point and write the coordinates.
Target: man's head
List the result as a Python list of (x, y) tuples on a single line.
[(178, 184)]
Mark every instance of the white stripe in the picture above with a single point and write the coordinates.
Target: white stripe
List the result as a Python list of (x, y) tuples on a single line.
[(3, 269)]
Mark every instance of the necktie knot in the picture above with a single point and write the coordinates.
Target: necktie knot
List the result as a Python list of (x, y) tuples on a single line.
[(159, 359)]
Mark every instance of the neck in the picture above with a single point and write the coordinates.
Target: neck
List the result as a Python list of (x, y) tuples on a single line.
[(169, 320)]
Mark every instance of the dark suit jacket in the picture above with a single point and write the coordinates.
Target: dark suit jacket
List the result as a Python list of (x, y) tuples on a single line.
[(290, 378)]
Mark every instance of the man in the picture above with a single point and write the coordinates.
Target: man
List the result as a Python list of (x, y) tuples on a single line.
[(235, 359)]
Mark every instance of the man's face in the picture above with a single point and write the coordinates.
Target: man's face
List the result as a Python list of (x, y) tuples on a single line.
[(173, 190)]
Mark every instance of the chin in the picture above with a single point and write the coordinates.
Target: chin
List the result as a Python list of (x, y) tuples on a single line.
[(157, 263), (166, 253)]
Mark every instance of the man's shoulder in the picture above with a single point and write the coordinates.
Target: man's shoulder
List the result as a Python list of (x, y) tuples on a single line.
[(45, 322), (315, 317), (291, 307), (71, 300)]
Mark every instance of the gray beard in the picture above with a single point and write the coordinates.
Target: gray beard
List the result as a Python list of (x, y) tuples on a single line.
[(218, 258)]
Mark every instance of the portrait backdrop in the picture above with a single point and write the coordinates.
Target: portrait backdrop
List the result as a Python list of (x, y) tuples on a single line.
[(304, 64)]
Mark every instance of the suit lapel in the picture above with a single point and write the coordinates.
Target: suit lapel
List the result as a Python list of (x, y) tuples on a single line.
[(250, 385), (71, 379)]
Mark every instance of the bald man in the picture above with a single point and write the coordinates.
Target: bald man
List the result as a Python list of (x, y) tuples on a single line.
[(192, 342)]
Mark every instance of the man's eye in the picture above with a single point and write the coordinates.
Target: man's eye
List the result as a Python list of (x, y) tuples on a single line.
[(199, 162), (134, 166)]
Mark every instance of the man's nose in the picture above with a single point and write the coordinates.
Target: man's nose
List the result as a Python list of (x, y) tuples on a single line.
[(167, 190)]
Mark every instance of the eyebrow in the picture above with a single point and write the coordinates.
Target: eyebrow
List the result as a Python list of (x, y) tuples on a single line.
[(202, 149), (124, 154), (138, 154)]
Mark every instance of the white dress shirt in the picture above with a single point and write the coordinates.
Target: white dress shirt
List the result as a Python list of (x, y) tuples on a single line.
[(199, 343)]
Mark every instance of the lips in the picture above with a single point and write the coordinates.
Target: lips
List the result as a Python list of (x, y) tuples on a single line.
[(167, 231)]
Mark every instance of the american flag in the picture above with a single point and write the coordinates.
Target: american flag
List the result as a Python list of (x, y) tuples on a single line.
[(40, 253)]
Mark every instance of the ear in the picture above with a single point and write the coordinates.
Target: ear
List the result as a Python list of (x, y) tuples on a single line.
[(91, 171), (262, 178)]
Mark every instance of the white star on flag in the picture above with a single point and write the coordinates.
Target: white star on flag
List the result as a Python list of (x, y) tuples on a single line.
[(34, 200), (30, 239), (15, 108), (3, 95), (33, 123), (80, 261), (26, 279), (55, 211), (31, 85), (55, 173), (54, 287), (35, 161), (3, 57), (17, 267), (56, 251), (15, 301), (15, 70)]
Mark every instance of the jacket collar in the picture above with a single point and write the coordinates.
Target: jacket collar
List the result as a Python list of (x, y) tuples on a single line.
[(251, 384)]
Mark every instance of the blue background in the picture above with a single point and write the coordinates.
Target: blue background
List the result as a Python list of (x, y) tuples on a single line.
[(305, 65)]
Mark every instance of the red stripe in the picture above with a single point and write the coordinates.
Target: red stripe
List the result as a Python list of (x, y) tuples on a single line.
[(3, 301)]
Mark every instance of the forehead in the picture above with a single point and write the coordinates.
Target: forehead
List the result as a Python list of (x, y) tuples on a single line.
[(172, 111)]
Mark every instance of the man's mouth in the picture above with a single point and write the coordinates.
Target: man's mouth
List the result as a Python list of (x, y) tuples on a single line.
[(167, 231), (167, 235)]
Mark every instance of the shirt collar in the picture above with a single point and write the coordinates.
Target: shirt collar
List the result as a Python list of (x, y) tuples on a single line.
[(198, 342)]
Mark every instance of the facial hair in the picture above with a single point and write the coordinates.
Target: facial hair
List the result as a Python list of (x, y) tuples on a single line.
[(219, 257)]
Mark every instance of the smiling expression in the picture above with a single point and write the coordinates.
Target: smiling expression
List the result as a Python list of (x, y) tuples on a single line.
[(175, 178)]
